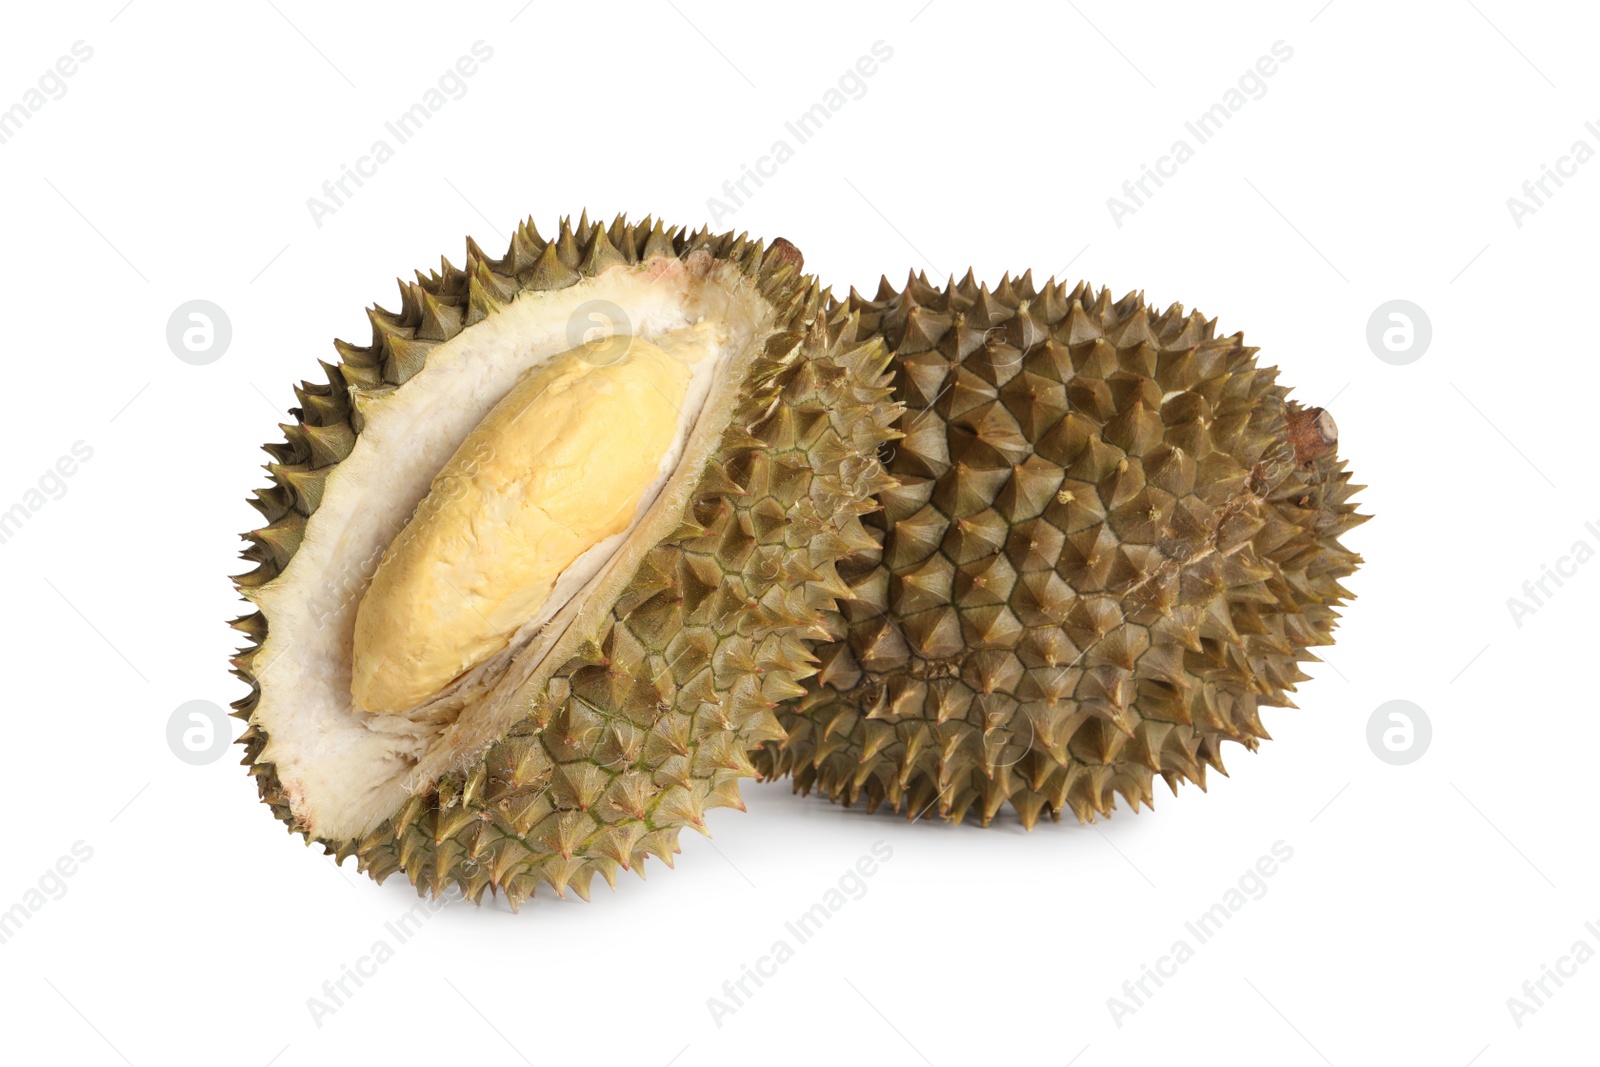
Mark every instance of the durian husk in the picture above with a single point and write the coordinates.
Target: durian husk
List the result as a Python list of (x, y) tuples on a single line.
[(646, 725), (1103, 557)]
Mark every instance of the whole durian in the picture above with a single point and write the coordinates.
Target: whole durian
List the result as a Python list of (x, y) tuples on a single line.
[(541, 561), (1113, 539)]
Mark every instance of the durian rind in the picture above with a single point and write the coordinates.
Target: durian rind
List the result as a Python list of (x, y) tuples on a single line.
[(1102, 558), (638, 719)]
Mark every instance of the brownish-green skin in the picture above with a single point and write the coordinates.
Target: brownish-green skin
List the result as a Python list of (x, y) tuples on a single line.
[(647, 727), (1105, 554)]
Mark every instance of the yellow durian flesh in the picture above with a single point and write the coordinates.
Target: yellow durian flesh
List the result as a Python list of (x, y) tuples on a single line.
[(559, 465)]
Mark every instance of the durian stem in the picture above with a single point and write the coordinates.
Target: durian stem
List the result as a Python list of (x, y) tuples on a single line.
[(1312, 432)]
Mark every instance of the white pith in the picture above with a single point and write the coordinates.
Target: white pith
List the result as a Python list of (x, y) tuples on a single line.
[(346, 771)]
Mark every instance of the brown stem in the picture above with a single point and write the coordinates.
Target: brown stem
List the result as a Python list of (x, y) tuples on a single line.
[(1312, 432), (787, 254)]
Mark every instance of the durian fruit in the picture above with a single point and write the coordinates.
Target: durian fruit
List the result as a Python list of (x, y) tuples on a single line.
[(1113, 540), (543, 558)]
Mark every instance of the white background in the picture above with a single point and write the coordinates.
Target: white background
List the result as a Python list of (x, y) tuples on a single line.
[(1376, 166)]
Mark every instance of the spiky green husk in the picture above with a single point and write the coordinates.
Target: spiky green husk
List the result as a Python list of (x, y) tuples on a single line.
[(1102, 558), (647, 726)]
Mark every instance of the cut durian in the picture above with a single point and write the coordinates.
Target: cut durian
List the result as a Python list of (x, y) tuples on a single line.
[(1113, 540), (526, 597), (557, 469)]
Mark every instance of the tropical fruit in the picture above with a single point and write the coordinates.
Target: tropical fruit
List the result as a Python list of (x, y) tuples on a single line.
[(1114, 538), (543, 558)]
